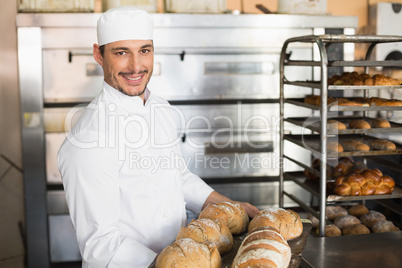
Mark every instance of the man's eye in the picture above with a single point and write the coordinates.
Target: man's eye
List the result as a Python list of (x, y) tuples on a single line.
[(145, 51), (120, 53)]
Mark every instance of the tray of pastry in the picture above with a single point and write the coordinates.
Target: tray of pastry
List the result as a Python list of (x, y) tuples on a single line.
[(348, 125), (347, 145), (342, 107), (296, 245), (313, 187)]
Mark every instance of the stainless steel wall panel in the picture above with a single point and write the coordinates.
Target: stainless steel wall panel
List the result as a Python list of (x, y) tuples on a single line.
[(70, 38)]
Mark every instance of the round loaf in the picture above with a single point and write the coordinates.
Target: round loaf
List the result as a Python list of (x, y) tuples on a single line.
[(384, 226), (334, 147), (346, 220), (358, 210), (263, 246), (359, 124), (230, 213), (333, 212), (355, 229), (188, 253), (286, 221), (333, 124), (371, 218), (380, 123), (206, 230), (344, 167), (330, 231)]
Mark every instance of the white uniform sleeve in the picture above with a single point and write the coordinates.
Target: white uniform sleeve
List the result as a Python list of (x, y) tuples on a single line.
[(91, 182)]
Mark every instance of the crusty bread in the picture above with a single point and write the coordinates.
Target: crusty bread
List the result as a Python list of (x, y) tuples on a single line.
[(330, 231), (359, 124), (358, 210), (385, 145), (380, 123), (334, 147), (333, 212), (188, 253), (346, 220), (203, 230), (372, 217), (355, 229), (384, 226), (286, 221), (355, 146), (370, 182), (230, 213), (333, 124), (263, 246)]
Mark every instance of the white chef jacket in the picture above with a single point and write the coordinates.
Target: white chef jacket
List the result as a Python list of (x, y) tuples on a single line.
[(126, 187)]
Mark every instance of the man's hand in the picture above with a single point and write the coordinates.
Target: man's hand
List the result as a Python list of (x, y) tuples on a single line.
[(216, 197)]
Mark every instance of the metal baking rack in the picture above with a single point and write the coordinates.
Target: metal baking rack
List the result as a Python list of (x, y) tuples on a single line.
[(316, 142)]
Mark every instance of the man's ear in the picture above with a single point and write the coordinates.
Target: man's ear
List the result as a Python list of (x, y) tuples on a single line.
[(97, 54)]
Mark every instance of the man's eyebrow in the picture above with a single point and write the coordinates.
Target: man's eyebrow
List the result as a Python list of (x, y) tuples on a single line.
[(120, 48), (146, 46)]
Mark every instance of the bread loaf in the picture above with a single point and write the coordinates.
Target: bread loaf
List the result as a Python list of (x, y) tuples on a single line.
[(333, 124), (346, 220), (375, 101), (334, 147), (230, 213), (355, 146), (358, 210), (286, 221), (384, 145), (344, 167), (371, 218), (380, 123), (333, 212), (384, 226), (355, 229), (263, 247), (369, 182), (188, 253), (206, 230), (330, 231), (359, 124)]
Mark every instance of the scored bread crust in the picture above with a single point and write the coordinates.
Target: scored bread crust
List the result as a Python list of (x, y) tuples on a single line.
[(188, 253), (286, 221), (214, 231), (230, 213)]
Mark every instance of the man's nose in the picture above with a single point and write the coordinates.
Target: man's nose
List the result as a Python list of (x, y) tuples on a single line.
[(135, 63)]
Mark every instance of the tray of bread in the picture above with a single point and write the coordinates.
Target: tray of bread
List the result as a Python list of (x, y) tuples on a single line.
[(224, 236), (348, 145), (338, 104), (355, 219), (348, 125)]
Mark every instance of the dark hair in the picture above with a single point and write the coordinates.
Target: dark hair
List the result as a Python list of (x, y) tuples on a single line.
[(102, 49)]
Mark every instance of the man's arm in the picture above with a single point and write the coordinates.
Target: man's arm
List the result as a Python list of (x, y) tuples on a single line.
[(216, 197)]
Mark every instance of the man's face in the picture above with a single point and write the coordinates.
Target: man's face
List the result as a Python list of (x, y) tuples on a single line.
[(127, 65)]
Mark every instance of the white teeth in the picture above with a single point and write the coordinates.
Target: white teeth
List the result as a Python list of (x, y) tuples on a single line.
[(133, 79)]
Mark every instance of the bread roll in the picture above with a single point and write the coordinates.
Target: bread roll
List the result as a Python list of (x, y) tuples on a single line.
[(355, 229), (334, 147), (371, 218), (346, 220), (206, 230), (359, 124), (286, 221), (330, 231), (384, 145), (333, 124), (263, 246), (344, 167), (355, 146), (188, 253), (230, 213), (333, 212), (380, 123), (358, 210), (384, 226)]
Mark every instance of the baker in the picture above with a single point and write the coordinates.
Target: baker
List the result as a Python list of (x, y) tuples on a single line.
[(126, 184)]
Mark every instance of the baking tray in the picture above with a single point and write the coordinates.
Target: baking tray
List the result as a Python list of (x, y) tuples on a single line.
[(313, 123), (313, 187), (312, 143), (297, 245), (337, 108)]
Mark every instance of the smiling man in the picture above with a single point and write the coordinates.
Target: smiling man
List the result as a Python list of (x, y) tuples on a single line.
[(125, 213)]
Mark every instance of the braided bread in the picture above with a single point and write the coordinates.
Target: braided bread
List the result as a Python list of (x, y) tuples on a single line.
[(370, 182)]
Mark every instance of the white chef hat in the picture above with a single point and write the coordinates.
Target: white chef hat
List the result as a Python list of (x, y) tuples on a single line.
[(124, 23)]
